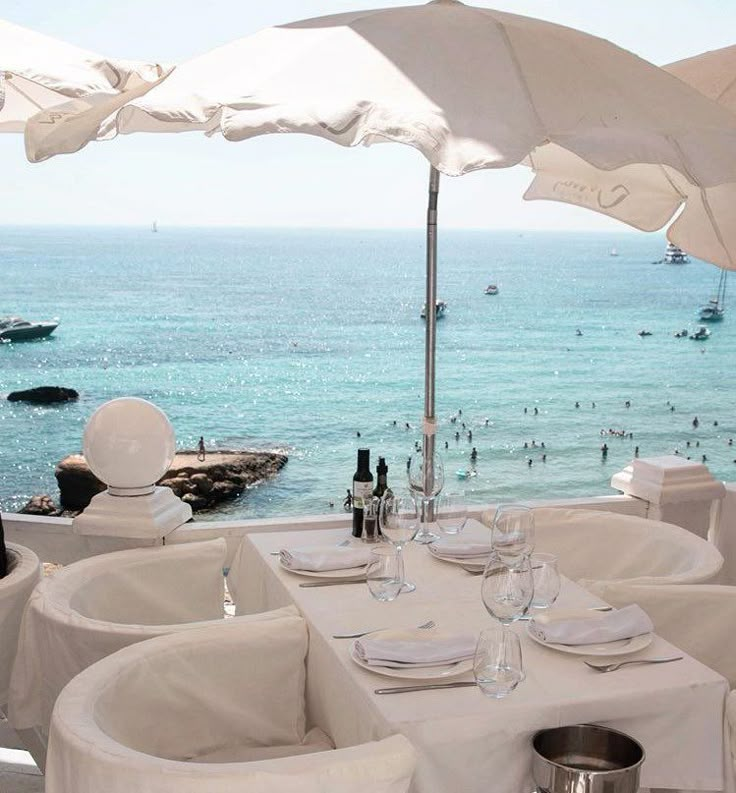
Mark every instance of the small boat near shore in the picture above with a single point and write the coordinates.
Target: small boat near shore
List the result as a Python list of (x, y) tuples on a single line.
[(643, 333), (701, 334), (18, 329), (491, 289), (439, 309)]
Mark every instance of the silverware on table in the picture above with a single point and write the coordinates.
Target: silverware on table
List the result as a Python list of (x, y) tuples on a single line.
[(612, 667), (334, 582), (426, 626), (425, 687)]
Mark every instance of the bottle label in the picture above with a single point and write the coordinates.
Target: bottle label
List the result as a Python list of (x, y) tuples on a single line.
[(361, 492)]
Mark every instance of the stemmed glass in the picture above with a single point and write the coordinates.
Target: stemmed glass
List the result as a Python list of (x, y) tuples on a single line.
[(513, 531), (507, 588), (399, 519), (416, 475)]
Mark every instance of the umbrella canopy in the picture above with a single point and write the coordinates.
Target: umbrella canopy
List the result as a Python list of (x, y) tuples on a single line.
[(38, 72), (707, 228), (469, 87)]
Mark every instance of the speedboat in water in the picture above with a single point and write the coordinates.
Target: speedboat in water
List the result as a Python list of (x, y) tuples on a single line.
[(439, 309), (701, 334), (491, 289), (17, 329), (643, 333)]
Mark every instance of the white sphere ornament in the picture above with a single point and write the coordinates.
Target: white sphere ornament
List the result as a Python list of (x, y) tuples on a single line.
[(129, 444)]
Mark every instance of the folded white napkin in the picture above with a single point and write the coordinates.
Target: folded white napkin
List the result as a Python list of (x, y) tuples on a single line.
[(582, 628), (407, 649), (318, 558), (459, 550)]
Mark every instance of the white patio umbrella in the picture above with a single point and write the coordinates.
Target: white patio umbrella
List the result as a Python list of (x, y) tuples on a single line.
[(469, 87), (707, 229), (38, 72)]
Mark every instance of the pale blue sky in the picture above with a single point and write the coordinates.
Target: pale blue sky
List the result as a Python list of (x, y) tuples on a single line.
[(188, 179)]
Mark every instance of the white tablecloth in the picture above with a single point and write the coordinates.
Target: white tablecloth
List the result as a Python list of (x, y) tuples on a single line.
[(467, 742)]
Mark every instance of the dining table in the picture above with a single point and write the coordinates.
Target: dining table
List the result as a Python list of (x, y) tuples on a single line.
[(466, 741)]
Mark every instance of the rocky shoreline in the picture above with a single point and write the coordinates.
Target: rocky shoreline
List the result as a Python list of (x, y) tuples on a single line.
[(203, 484)]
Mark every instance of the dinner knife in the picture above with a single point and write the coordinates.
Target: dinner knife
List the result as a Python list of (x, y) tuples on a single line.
[(425, 687), (335, 582)]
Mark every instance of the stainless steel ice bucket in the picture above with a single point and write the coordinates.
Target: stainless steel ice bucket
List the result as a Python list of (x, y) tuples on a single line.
[(586, 758)]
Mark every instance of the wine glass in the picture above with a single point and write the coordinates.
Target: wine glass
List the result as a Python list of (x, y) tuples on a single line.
[(451, 512), (399, 520), (507, 588), (513, 531), (497, 665), (385, 573), (431, 473)]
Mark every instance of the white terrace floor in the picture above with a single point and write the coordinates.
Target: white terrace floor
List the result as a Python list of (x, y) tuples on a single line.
[(18, 773)]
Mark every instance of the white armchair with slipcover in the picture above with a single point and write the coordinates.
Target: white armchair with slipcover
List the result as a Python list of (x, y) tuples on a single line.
[(598, 547), (699, 619), (96, 606), (219, 709), (24, 572)]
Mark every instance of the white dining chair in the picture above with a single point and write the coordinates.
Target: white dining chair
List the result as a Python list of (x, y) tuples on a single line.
[(596, 546), (24, 572), (219, 709), (699, 618), (96, 606)]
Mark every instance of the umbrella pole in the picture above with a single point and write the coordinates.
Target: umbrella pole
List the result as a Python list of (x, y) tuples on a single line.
[(430, 424)]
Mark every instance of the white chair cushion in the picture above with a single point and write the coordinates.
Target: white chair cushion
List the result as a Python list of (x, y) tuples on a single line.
[(77, 616), (605, 546), (178, 713), (15, 589), (698, 618)]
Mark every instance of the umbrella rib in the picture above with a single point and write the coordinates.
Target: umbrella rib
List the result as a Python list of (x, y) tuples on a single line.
[(11, 84)]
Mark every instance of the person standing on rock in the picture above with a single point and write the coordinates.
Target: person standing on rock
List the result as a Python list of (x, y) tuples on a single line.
[(201, 451)]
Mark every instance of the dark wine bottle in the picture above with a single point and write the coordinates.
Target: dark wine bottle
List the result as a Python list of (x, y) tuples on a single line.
[(381, 478), (362, 489), (3, 551)]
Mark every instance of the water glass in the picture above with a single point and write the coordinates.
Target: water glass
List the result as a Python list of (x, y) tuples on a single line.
[(513, 531), (451, 512), (546, 580), (507, 588), (385, 572), (498, 666)]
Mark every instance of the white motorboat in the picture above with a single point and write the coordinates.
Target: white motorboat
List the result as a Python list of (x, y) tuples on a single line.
[(18, 329), (491, 289), (701, 334), (675, 255)]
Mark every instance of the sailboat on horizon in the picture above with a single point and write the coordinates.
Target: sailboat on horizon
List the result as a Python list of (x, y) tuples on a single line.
[(714, 309)]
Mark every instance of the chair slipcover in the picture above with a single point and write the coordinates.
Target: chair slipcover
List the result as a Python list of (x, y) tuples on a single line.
[(192, 712), (698, 619), (594, 546), (15, 589), (99, 605)]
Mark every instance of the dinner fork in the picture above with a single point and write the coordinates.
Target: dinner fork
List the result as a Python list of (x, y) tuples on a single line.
[(425, 626), (619, 664)]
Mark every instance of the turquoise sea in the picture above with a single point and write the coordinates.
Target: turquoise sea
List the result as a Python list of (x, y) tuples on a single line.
[(300, 339)]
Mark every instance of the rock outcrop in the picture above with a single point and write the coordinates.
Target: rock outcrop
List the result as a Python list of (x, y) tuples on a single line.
[(40, 505), (44, 395), (203, 484)]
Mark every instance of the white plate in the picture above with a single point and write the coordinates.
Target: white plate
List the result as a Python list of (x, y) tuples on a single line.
[(472, 561), (620, 647), (349, 572), (422, 673)]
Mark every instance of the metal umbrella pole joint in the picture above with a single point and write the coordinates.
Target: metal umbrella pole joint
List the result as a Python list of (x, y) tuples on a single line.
[(430, 342)]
